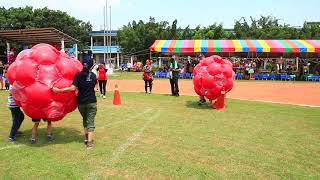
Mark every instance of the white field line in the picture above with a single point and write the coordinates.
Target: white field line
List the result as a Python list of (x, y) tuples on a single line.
[(11, 147), (128, 119), (131, 140), (124, 146), (275, 102)]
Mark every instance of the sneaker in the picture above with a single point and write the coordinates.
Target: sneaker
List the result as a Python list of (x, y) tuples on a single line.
[(201, 102), (149, 92), (33, 141), (12, 139), (89, 145), (104, 97), (50, 137), (101, 95)]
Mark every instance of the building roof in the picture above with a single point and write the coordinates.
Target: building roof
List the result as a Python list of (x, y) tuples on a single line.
[(231, 46), (37, 35)]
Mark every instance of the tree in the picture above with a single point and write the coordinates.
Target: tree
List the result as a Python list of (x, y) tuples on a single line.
[(310, 31), (27, 17), (186, 33), (138, 37)]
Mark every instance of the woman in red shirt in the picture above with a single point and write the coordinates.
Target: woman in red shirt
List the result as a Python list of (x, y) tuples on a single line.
[(148, 78), (102, 79)]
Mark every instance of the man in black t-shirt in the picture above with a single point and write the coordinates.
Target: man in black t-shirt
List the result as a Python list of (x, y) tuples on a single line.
[(85, 82)]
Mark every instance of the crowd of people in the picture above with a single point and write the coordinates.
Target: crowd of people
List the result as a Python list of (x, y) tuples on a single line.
[(299, 67), (292, 66), (131, 67)]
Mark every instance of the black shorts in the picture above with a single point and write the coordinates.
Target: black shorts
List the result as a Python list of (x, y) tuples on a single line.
[(38, 120)]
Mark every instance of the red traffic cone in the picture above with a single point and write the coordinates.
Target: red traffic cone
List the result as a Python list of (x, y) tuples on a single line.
[(220, 103), (116, 97)]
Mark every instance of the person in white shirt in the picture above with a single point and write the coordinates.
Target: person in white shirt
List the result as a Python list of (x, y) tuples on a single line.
[(129, 66)]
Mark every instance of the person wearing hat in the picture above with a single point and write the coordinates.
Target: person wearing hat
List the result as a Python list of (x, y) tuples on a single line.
[(17, 117), (85, 81), (88, 59)]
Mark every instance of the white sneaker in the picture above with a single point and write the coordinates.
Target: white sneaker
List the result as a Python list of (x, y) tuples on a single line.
[(149, 92), (104, 97), (101, 95)]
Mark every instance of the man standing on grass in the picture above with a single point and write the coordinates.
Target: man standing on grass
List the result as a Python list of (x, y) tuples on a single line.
[(174, 73)]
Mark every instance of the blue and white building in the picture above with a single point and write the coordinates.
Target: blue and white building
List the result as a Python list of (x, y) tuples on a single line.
[(112, 52)]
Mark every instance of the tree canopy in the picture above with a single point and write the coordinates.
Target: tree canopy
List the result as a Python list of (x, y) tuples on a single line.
[(27, 17), (139, 36)]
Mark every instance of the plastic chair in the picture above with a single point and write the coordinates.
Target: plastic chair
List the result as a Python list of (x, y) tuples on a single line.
[(239, 76), (315, 78), (264, 77), (157, 74), (256, 76), (272, 77), (163, 75), (283, 77), (289, 77), (309, 77), (188, 75)]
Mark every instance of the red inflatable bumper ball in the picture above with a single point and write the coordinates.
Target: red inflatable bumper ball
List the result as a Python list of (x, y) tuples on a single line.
[(32, 76), (213, 78)]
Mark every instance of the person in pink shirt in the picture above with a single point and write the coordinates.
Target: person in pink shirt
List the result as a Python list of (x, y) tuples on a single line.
[(102, 79), (11, 57)]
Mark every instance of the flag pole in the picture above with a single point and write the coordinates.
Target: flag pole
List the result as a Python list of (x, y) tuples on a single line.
[(104, 34)]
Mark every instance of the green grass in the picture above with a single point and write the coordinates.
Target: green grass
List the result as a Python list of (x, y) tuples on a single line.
[(164, 137), (118, 75), (138, 76)]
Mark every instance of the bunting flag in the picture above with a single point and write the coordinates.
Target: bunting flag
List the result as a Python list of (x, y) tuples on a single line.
[(222, 46)]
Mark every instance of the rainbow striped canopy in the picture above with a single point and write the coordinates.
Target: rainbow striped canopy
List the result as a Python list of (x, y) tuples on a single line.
[(222, 46)]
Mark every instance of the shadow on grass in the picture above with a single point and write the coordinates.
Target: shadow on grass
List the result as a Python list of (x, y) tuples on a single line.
[(194, 105), (62, 135)]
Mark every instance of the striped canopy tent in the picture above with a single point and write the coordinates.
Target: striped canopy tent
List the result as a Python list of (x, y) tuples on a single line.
[(236, 46)]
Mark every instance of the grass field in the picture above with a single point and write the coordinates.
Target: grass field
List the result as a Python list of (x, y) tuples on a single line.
[(164, 137), (126, 75), (118, 75)]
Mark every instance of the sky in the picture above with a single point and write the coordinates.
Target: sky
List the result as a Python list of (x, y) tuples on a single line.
[(187, 12)]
